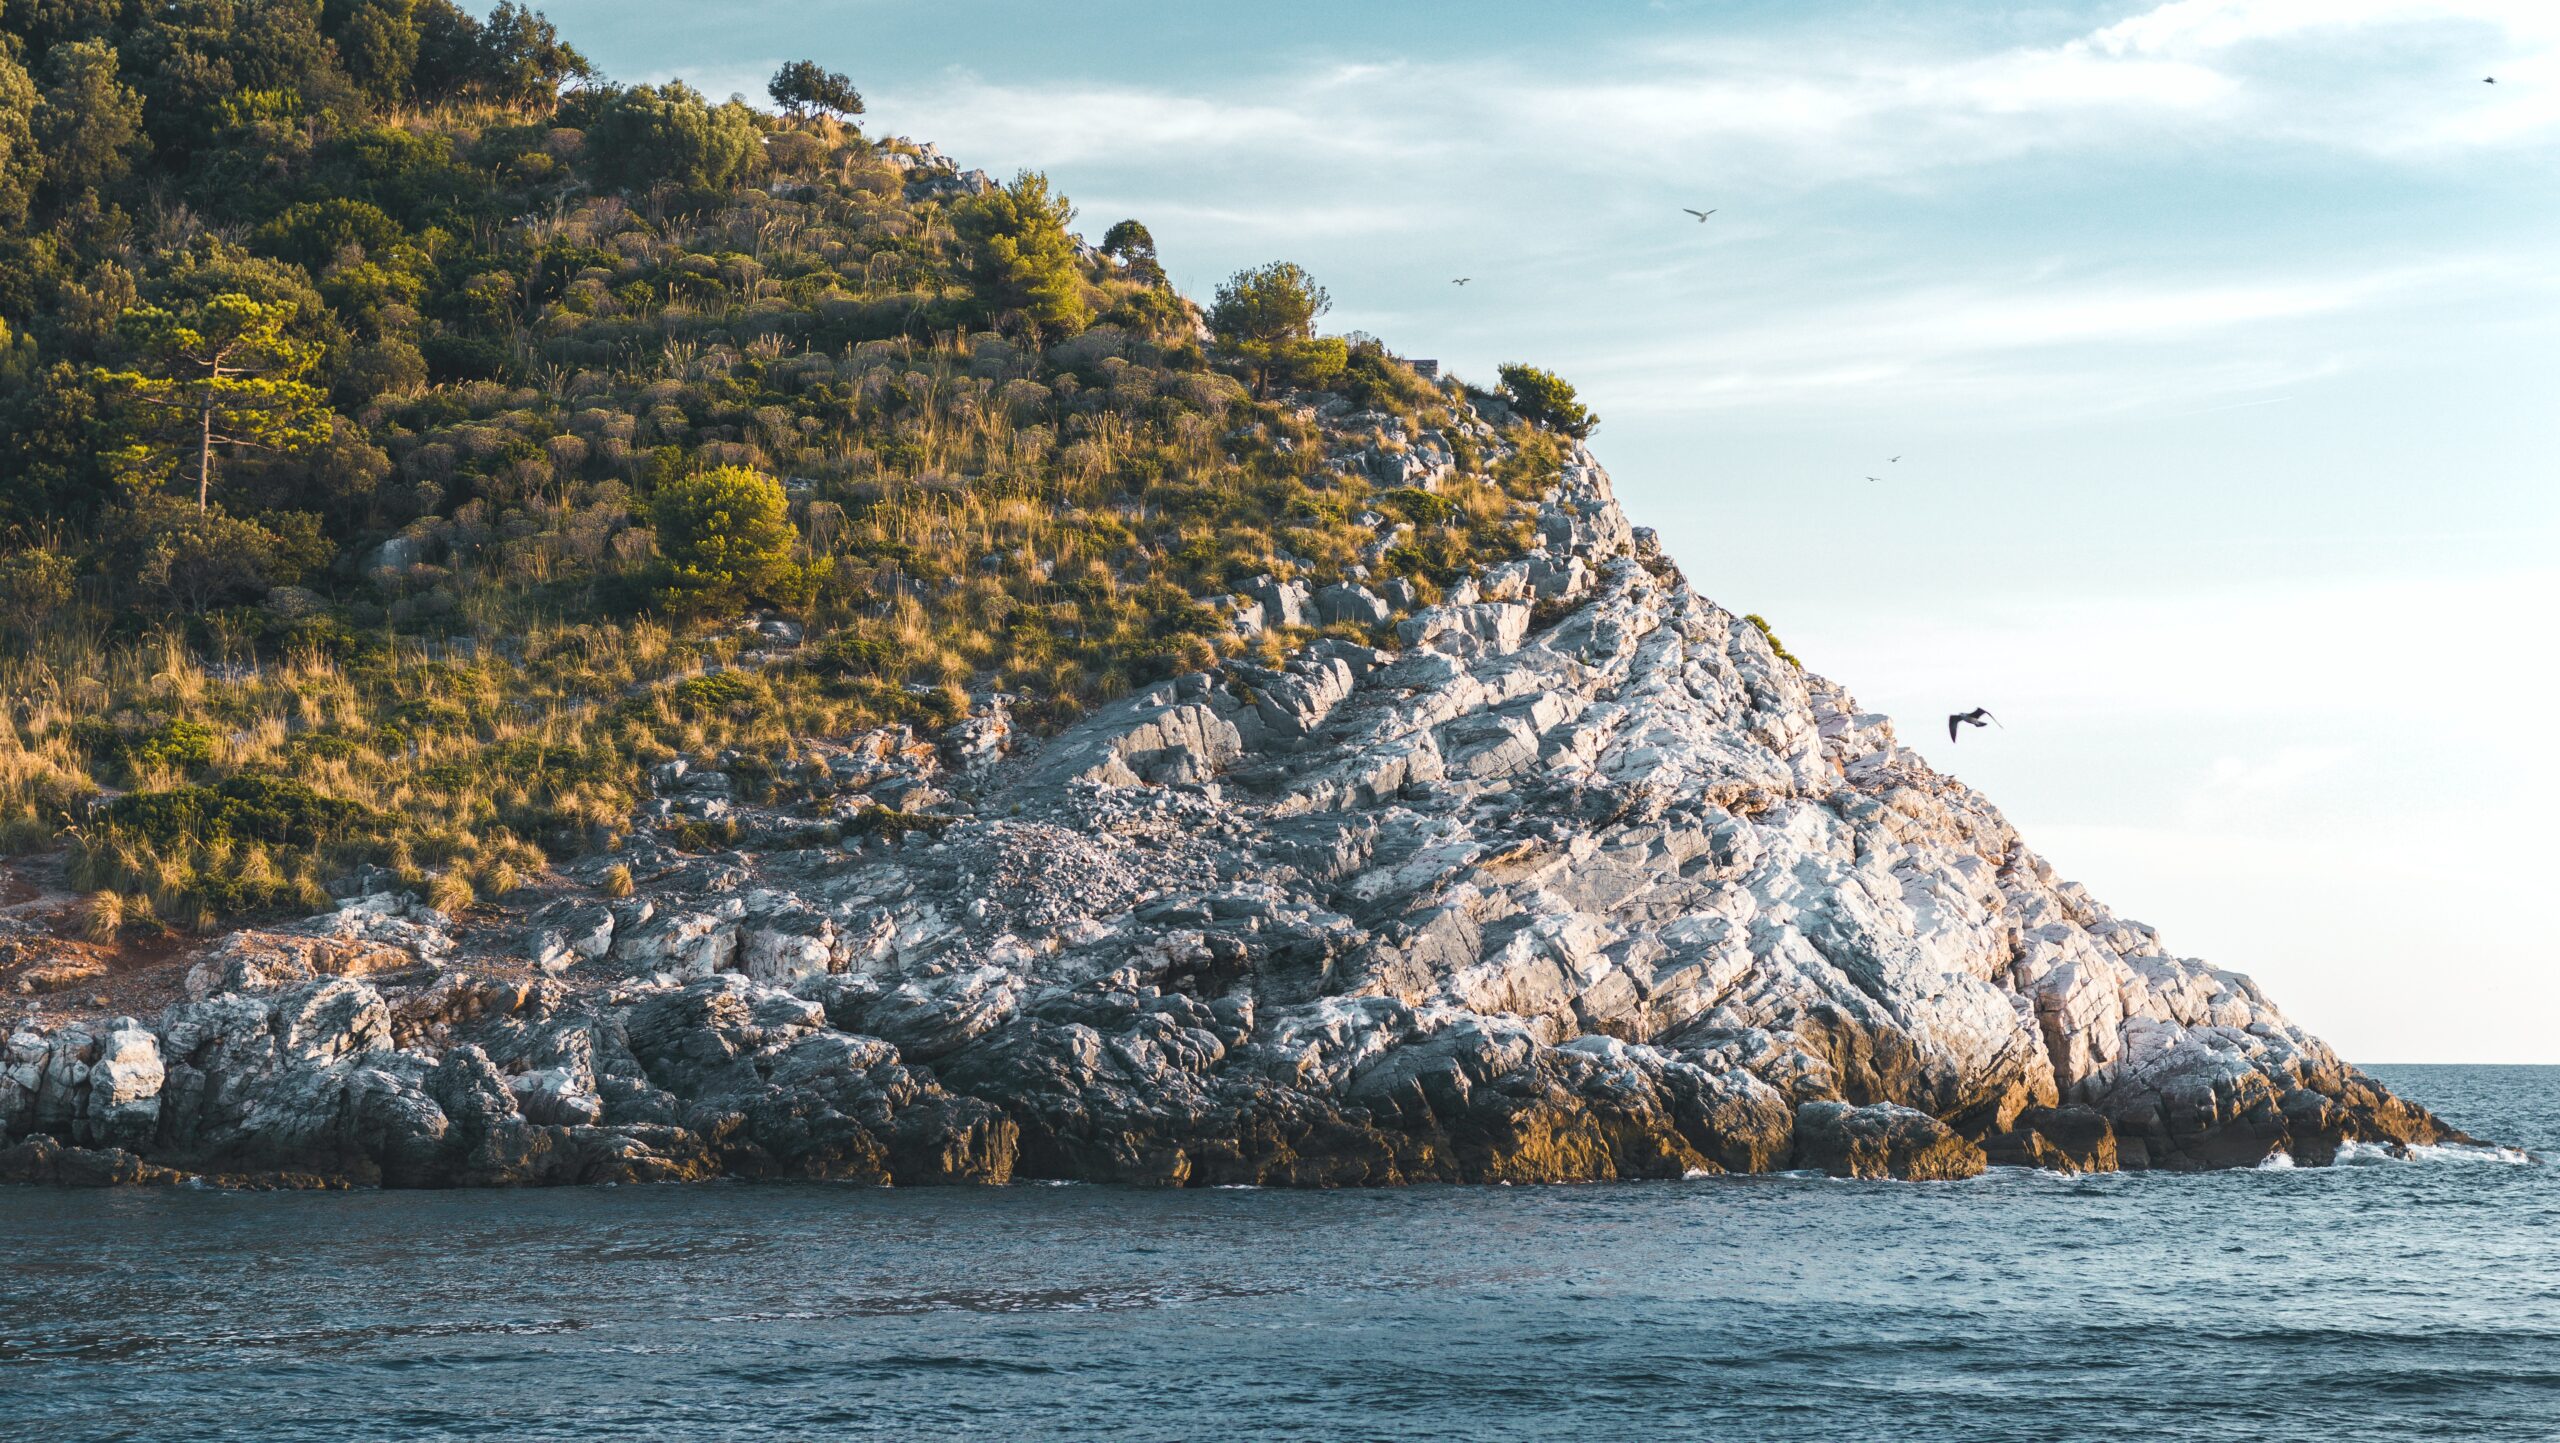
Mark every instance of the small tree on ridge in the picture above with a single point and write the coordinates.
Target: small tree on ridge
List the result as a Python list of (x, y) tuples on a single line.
[(804, 88), (1546, 399), (1267, 316)]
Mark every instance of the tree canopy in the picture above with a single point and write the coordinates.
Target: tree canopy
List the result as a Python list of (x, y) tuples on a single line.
[(1020, 247), (20, 163), (89, 121), (222, 373), (803, 87), (668, 134), (1131, 246), (1267, 316)]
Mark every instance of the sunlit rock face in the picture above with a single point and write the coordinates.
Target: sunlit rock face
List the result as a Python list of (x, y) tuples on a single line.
[(1580, 880)]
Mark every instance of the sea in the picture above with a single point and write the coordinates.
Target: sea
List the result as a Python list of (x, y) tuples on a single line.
[(2378, 1299)]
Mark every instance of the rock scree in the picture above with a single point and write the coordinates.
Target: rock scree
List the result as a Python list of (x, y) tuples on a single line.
[(1577, 880)]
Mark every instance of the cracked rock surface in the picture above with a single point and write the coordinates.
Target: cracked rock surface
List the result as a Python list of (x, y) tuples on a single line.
[(1577, 881)]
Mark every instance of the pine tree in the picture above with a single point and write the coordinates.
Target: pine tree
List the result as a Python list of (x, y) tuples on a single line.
[(221, 374)]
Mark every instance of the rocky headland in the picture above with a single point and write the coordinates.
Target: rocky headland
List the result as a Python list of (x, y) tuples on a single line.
[(1581, 879)]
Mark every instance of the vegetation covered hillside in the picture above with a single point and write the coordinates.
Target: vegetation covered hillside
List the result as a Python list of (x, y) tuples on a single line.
[(407, 437)]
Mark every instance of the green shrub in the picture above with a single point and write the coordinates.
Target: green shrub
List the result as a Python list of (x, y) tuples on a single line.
[(669, 135), (1377, 381), (1418, 506), (716, 692), (177, 743), (245, 808), (1544, 398), (727, 538), (313, 232), (1776, 647)]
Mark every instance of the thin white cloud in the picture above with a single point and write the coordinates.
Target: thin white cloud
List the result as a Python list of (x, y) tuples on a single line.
[(2192, 27), (2221, 68), (1302, 116), (2046, 337)]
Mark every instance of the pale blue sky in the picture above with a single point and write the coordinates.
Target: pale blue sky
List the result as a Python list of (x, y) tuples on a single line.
[(2217, 337)]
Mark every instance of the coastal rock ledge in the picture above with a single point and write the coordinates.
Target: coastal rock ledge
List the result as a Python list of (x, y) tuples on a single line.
[(1581, 880)]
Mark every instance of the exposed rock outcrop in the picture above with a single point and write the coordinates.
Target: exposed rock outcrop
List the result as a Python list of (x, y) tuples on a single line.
[(1580, 880)]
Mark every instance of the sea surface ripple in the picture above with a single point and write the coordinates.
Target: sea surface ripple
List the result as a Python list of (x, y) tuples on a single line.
[(2380, 1299)]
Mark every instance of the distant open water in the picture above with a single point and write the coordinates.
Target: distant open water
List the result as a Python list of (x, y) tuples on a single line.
[(2384, 1300)]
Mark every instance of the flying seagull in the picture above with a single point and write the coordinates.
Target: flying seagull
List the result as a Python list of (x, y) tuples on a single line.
[(1462, 280), (1893, 458), (1871, 478), (1973, 718), (1700, 214), (2488, 80)]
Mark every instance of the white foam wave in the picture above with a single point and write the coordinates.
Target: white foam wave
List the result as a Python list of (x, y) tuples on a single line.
[(2276, 1161), (2357, 1153)]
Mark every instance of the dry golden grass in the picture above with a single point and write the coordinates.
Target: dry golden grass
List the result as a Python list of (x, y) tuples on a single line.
[(971, 516)]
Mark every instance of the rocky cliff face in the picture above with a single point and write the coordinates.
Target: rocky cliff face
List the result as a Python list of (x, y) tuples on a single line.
[(1580, 880)]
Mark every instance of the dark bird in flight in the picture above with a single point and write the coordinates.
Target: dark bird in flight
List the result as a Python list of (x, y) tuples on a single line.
[(1462, 280), (1700, 214), (1871, 478), (2488, 80), (1893, 458), (1973, 718)]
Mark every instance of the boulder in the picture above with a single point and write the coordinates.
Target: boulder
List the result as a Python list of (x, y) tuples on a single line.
[(1346, 602), (1881, 1140)]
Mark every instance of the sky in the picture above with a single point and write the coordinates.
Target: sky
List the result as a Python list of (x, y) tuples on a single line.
[(2218, 341)]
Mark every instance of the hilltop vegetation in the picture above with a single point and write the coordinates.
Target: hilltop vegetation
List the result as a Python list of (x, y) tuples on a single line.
[(408, 436)]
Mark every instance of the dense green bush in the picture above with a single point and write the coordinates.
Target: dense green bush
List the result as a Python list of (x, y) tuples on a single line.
[(248, 808), (1543, 398), (727, 537), (669, 135)]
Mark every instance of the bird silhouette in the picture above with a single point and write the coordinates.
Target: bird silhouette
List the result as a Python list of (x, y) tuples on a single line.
[(1700, 214), (1973, 718), (2488, 80), (1893, 458), (1871, 478), (1462, 280)]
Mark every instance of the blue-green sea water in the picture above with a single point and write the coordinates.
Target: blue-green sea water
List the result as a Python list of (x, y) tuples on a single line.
[(2379, 1300)]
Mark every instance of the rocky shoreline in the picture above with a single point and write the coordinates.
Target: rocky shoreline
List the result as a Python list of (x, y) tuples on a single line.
[(1580, 880)]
